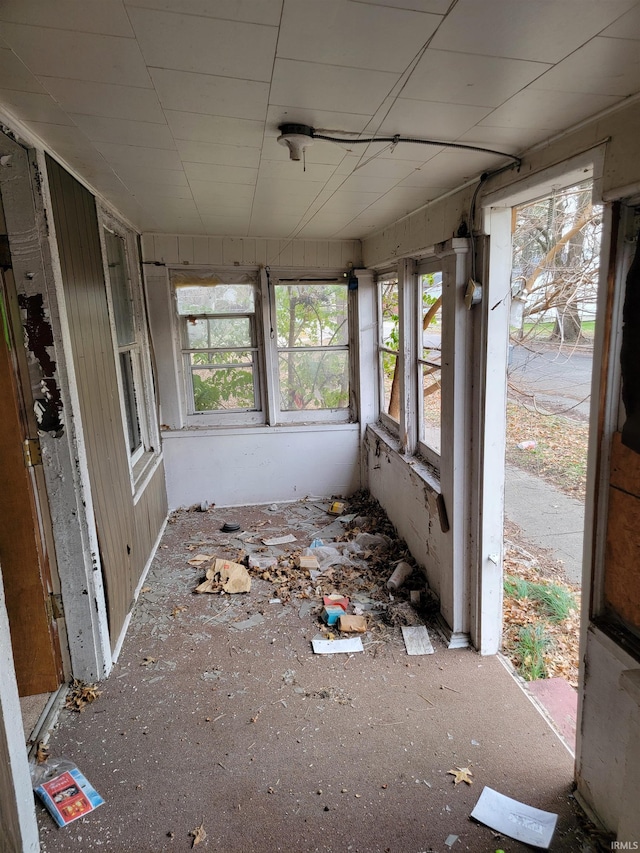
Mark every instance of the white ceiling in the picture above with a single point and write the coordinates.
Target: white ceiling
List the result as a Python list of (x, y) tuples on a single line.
[(170, 108)]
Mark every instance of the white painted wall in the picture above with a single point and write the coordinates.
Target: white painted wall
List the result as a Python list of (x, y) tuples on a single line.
[(231, 467), (408, 493)]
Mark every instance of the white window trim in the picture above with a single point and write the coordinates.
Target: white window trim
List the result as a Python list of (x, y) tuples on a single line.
[(429, 453), (391, 425), (145, 456)]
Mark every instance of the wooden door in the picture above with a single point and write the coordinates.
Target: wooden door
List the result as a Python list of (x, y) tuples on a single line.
[(23, 556)]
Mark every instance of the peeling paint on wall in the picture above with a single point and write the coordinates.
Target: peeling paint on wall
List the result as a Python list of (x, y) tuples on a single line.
[(39, 342)]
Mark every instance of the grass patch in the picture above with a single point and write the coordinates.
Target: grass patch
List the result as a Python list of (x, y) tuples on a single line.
[(554, 601), (530, 649)]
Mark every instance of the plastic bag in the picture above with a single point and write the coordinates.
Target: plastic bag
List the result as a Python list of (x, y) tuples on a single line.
[(64, 790)]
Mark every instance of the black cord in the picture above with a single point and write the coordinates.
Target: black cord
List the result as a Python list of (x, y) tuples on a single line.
[(412, 140)]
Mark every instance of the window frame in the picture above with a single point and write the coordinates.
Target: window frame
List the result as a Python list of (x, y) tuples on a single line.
[(288, 416), (383, 276), (220, 417), (138, 349), (430, 453)]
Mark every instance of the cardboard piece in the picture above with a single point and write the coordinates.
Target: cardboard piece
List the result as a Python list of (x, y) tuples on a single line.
[(517, 820), (322, 646), (280, 540), (353, 624), (416, 640), (225, 575)]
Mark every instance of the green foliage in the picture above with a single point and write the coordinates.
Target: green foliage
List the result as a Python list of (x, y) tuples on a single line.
[(226, 388), (532, 644), (554, 601)]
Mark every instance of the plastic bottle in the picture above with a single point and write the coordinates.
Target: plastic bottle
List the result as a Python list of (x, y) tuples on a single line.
[(526, 445), (399, 576)]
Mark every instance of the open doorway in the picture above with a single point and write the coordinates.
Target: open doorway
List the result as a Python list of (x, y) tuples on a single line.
[(554, 281)]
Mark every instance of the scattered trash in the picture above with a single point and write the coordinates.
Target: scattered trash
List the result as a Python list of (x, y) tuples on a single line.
[(462, 774), (42, 753), (415, 595), (336, 508), (199, 559), (230, 527), (64, 790), (275, 601), (450, 840), (526, 445), (401, 573), (254, 620), (148, 661), (322, 646), (352, 624), (198, 834), (225, 576), (317, 543), (416, 640), (204, 506), (305, 561), (280, 540), (262, 563), (336, 600), (517, 820), (80, 695), (331, 613)]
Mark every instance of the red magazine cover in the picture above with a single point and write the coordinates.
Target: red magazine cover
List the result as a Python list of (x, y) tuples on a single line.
[(68, 798)]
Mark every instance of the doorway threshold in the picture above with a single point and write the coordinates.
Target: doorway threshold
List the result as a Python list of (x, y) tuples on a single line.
[(40, 714)]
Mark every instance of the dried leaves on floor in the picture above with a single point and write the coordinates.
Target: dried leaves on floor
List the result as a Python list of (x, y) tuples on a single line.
[(80, 695)]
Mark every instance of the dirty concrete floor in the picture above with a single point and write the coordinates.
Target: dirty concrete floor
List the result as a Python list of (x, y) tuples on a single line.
[(272, 748)]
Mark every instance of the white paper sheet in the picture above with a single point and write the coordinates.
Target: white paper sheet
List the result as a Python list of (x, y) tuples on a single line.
[(517, 820), (322, 646)]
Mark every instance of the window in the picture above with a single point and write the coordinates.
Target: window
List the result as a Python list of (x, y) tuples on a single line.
[(429, 361), (312, 339), (128, 342), (220, 345), (389, 342)]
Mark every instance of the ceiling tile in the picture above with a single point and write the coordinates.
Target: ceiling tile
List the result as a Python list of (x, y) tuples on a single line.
[(604, 66), (63, 137), (220, 174), (551, 110), (290, 170), (431, 120), (34, 106), (15, 75), (462, 79), (215, 129), (402, 200), (250, 11), (207, 192), (205, 45), (220, 203), (626, 27), (452, 168), (205, 93), (512, 140), (438, 7), (105, 99), (358, 182), (344, 90), (125, 132), (134, 155), (151, 175), (81, 56), (539, 30), (392, 167), (89, 16), (220, 155), (354, 35), (345, 201), (152, 191)]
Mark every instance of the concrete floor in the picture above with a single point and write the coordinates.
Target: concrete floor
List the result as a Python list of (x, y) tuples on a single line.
[(271, 748)]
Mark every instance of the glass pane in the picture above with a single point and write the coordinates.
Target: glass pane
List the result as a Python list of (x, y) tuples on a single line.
[(130, 402), (431, 289), (391, 403), (311, 315), (219, 333), (314, 380), (120, 292), (224, 357), (389, 335), (432, 406), (216, 299), (223, 388)]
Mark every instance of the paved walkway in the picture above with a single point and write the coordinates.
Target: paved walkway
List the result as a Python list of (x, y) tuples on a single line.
[(547, 517)]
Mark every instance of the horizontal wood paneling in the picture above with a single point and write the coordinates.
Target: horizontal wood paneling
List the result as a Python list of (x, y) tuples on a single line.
[(318, 254)]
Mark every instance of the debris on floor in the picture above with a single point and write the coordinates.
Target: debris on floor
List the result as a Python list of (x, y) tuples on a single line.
[(517, 820), (279, 540), (225, 576), (416, 640), (323, 646), (80, 695), (64, 790)]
